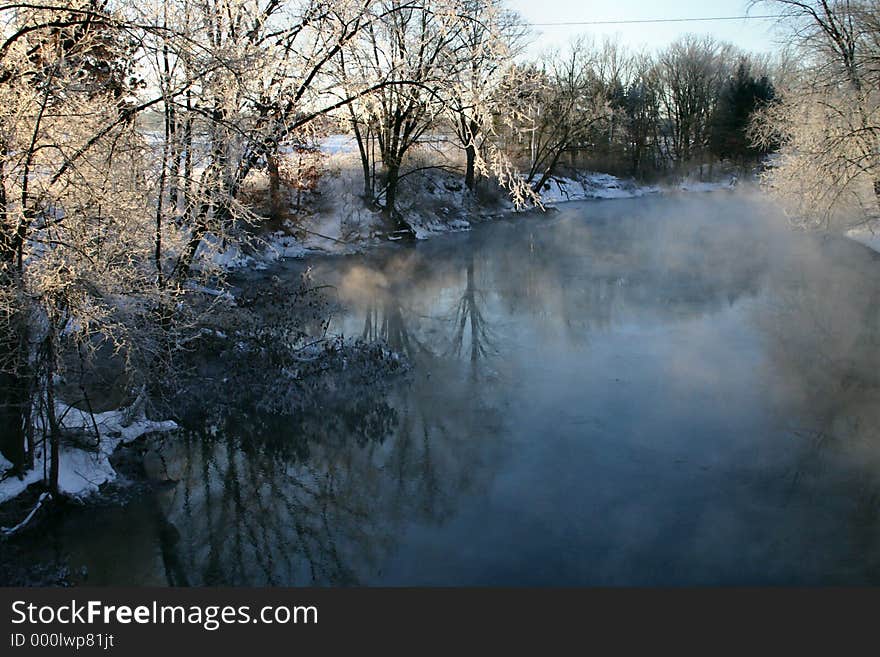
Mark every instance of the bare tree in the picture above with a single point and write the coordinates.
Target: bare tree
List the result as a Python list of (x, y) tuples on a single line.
[(409, 52), (692, 71), (828, 120), (491, 36), (74, 198), (565, 103)]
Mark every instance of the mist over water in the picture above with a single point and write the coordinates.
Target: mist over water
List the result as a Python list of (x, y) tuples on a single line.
[(665, 391)]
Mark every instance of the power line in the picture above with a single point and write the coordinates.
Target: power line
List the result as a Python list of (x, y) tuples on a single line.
[(660, 20)]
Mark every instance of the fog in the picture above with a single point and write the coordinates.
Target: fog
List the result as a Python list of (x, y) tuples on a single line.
[(677, 390)]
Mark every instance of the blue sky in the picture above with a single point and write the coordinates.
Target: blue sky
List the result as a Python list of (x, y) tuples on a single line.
[(755, 35)]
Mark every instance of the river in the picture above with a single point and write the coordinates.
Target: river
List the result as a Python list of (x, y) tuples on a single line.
[(660, 391)]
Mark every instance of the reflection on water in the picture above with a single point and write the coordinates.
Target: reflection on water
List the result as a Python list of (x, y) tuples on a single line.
[(665, 391)]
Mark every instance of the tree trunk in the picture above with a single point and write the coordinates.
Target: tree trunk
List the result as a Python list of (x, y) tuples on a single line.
[(54, 429), (13, 404), (184, 263), (470, 166), (15, 388), (365, 161), (471, 130), (275, 210), (392, 177), (188, 158), (396, 226), (548, 172)]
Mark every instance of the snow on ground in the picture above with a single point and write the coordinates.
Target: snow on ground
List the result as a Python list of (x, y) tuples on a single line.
[(437, 202), (424, 229), (222, 254), (434, 202), (230, 256), (282, 245), (699, 186), (869, 235), (592, 185), (338, 144), (11, 486), (83, 471), (337, 221)]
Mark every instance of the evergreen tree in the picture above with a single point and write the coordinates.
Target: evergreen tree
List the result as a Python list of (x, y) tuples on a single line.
[(743, 93)]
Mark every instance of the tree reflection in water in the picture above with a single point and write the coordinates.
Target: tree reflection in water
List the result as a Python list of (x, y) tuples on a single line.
[(823, 338), (467, 314), (317, 494)]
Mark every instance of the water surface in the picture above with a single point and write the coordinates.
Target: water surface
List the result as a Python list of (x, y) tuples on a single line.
[(666, 391)]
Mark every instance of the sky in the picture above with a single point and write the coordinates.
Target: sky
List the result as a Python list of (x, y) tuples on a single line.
[(754, 35)]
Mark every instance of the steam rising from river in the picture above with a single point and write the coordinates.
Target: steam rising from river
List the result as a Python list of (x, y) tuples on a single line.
[(661, 391)]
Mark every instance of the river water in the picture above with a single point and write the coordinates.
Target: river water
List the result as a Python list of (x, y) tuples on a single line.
[(662, 391)]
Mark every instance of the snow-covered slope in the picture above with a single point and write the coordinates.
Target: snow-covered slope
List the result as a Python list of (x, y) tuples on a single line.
[(869, 235), (82, 471)]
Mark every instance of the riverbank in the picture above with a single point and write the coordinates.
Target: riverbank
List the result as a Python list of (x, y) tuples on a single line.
[(334, 221)]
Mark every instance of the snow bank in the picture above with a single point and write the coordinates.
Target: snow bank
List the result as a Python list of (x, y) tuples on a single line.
[(698, 186), (221, 254), (332, 218), (82, 471), (425, 229), (593, 185), (281, 245), (266, 250), (869, 235), (112, 426), (11, 486)]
